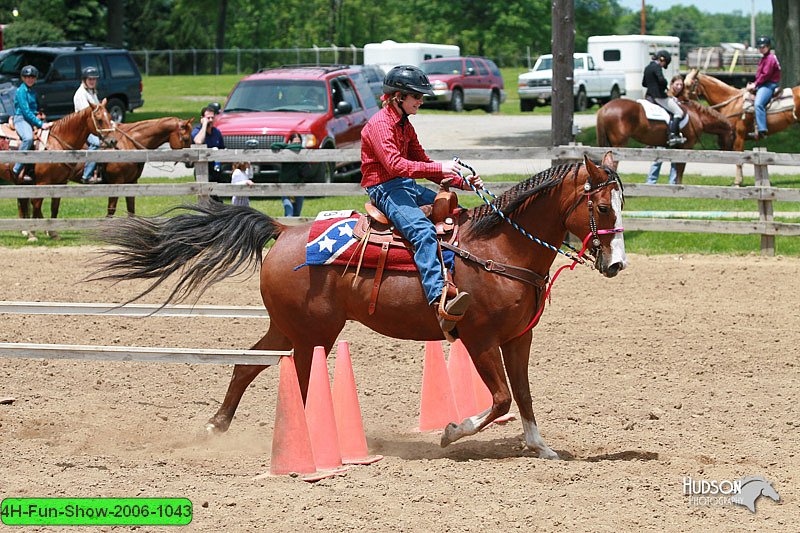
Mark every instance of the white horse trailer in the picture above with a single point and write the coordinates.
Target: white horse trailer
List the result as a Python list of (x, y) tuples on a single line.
[(631, 54), (389, 54)]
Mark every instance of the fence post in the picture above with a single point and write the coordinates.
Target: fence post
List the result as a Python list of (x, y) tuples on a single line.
[(761, 175), (201, 173), (146, 63), (238, 61), (170, 62)]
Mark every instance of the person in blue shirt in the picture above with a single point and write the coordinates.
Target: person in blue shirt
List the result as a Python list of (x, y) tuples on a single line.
[(26, 115), (206, 133)]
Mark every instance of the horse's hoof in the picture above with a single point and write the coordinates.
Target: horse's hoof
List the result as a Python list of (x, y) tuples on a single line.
[(32, 238), (547, 453), (449, 436), (211, 429), (24, 233), (53, 235)]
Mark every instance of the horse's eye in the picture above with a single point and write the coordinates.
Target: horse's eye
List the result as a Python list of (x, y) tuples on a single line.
[(604, 209)]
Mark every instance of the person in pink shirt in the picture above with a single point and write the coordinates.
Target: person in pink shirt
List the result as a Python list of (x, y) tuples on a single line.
[(392, 160), (768, 76)]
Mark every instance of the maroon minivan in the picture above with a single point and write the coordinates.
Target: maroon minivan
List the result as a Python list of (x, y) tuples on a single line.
[(461, 83)]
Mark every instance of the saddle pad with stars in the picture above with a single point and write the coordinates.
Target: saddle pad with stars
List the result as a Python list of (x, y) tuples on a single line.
[(331, 242)]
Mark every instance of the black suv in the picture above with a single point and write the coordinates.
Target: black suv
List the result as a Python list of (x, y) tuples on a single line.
[(60, 65)]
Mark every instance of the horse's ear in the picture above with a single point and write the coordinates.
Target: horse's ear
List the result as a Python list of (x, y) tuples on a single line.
[(608, 160), (189, 122), (104, 102), (594, 172), (690, 77)]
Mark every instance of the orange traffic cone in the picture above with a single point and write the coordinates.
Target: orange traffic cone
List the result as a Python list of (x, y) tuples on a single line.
[(291, 445), (459, 368), (319, 415), (437, 405), (349, 424), (483, 396)]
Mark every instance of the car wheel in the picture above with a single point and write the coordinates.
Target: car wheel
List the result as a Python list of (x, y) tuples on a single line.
[(494, 103), (527, 105), (457, 103), (116, 108), (581, 102), (614, 93)]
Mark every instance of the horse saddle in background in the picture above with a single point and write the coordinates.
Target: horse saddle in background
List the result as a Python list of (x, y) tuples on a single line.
[(655, 112), (369, 241), (782, 100)]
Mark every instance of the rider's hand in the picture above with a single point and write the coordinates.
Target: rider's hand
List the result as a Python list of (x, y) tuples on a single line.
[(475, 180), (450, 169), (46, 125)]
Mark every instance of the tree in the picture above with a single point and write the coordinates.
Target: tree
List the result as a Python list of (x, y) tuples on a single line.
[(116, 22), (786, 32)]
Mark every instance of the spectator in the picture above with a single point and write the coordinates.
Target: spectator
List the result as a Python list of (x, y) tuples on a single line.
[(675, 91), (26, 116), (242, 175), (768, 76), (392, 159), (293, 205), (206, 133), (85, 95)]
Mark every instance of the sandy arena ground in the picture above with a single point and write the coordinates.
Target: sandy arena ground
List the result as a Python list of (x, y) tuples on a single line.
[(680, 366)]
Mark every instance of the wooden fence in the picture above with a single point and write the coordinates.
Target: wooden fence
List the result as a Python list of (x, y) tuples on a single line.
[(762, 192)]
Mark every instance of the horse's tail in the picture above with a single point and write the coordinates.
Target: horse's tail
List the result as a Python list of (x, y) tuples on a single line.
[(600, 130), (205, 246)]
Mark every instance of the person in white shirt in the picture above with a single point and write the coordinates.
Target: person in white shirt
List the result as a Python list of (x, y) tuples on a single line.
[(242, 175), (86, 94)]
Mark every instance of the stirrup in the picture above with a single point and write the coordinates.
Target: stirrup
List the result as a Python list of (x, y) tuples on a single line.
[(453, 311)]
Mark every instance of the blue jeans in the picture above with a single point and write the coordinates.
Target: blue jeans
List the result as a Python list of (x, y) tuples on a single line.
[(399, 199), (94, 144), (763, 95), (25, 132), (655, 170), (292, 205)]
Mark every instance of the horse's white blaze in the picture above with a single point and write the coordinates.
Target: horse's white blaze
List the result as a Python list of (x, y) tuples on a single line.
[(534, 441), (618, 242)]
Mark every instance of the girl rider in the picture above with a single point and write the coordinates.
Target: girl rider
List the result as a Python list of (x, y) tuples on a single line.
[(392, 159)]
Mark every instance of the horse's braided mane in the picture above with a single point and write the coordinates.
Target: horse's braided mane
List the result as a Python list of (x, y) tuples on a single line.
[(705, 110), (484, 219), (67, 122)]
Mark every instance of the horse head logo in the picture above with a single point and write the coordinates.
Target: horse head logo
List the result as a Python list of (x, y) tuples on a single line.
[(752, 488)]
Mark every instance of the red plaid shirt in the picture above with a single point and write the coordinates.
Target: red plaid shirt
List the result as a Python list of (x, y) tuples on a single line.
[(390, 149)]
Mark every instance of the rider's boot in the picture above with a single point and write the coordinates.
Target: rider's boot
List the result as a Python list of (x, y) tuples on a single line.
[(453, 310), (675, 137)]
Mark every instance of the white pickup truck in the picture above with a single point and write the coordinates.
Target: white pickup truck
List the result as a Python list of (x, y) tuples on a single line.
[(592, 84)]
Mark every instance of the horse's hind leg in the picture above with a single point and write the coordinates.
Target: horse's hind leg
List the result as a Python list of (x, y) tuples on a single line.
[(242, 376), (490, 368), (112, 206), (55, 203), (130, 203), (515, 355)]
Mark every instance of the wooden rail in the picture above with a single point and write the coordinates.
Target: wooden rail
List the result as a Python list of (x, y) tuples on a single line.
[(763, 193)]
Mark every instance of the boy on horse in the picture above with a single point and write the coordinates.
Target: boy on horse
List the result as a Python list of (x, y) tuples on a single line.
[(392, 159), (26, 115), (768, 76), (656, 85)]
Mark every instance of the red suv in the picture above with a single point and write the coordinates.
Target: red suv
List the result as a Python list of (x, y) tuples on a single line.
[(461, 83), (327, 105)]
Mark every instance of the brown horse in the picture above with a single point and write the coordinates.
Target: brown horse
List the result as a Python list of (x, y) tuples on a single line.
[(729, 101), (67, 133), (144, 135), (621, 120), (309, 306)]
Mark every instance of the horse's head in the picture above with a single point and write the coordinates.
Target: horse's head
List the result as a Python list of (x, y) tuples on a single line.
[(600, 223), (102, 125), (181, 136)]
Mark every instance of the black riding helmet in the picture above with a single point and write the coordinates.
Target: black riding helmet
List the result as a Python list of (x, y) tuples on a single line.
[(664, 54), (90, 72), (763, 41), (29, 70), (407, 79)]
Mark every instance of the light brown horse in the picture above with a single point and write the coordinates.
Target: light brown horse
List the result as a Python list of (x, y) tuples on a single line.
[(309, 306), (621, 120), (144, 135), (729, 101), (67, 133)]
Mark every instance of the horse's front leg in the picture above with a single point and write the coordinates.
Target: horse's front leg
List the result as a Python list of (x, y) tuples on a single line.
[(241, 378), (23, 211), (516, 354), (490, 368), (55, 203), (112, 206), (130, 202)]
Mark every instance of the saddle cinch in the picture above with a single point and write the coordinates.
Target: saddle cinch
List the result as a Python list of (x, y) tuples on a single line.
[(374, 228)]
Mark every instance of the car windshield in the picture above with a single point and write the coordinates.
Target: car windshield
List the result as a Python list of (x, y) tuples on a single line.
[(544, 63), (442, 67), (278, 95), (12, 62)]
